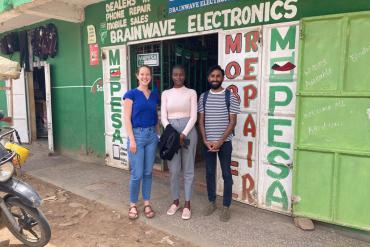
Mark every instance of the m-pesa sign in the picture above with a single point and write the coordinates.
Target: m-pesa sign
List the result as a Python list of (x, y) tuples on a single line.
[(115, 85), (260, 67)]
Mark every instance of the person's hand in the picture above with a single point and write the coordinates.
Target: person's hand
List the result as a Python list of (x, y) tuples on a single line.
[(133, 147), (216, 146), (208, 145), (182, 139)]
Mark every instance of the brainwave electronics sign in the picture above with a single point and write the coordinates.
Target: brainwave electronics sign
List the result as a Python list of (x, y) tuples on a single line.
[(175, 6), (132, 20)]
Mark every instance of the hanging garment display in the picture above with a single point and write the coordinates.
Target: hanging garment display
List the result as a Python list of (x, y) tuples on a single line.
[(9, 43), (44, 40), (23, 50)]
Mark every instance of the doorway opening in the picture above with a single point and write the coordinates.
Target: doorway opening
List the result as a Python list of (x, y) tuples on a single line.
[(40, 103), (40, 113), (197, 54)]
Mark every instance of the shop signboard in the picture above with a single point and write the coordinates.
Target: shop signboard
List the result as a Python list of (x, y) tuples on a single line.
[(115, 85), (277, 118), (134, 20), (260, 68), (240, 55), (149, 59)]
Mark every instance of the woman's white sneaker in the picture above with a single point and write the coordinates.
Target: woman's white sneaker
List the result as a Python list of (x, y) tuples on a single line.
[(186, 214), (173, 209)]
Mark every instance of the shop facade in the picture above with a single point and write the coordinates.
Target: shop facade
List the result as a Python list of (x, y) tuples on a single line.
[(263, 47)]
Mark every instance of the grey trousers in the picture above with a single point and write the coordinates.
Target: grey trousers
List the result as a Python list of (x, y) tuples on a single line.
[(185, 159)]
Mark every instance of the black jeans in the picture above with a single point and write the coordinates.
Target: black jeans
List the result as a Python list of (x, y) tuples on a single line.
[(224, 154)]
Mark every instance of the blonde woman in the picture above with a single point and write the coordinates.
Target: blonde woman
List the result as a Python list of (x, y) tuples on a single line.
[(141, 122)]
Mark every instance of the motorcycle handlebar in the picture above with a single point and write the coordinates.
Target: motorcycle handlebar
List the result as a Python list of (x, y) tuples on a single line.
[(10, 158), (11, 130)]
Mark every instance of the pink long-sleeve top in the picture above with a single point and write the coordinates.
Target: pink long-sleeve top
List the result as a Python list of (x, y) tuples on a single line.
[(179, 103)]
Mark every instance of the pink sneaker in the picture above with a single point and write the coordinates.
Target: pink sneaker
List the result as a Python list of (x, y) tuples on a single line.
[(173, 209), (186, 214)]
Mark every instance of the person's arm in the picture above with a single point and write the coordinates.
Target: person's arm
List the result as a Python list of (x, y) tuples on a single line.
[(203, 131), (201, 120), (193, 114), (158, 129), (127, 103), (164, 115)]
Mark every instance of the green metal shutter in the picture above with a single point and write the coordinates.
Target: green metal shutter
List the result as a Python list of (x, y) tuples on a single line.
[(331, 179)]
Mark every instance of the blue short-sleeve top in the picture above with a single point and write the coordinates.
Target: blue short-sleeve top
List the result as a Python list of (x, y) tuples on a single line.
[(144, 111)]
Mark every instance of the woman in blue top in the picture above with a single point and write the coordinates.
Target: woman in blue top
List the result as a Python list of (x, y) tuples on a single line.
[(142, 127)]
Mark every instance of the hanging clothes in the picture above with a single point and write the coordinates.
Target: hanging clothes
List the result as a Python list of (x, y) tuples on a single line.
[(23, 51)]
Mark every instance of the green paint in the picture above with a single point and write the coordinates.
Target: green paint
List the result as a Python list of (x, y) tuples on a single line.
[(94, 103), (314, 174), (116, 105), (284, 170), (3, 103), (272, 132), (117, 122), (103, 33), (72, 106), (84, 111), (20, 2), (273, 103), (282, 199), (282, 77), (115, 87), (5, 5), (332, 125), (68, 104), (283, 42), (252, 13), (117, 133), (114, 57)]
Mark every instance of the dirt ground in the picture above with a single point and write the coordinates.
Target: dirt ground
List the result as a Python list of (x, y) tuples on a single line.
[(76, 221)]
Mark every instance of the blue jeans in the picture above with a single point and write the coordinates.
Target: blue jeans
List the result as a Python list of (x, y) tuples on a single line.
[(141, 163)]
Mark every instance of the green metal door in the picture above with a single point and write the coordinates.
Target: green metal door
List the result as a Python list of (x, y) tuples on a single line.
[(331, 179)]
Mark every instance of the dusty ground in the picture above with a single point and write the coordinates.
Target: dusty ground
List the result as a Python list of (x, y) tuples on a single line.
[(76, 221)]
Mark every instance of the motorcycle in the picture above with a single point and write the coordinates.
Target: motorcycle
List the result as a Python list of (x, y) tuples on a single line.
[(19, 202)]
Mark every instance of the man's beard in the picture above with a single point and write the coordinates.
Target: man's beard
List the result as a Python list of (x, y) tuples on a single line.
[(215, 85)]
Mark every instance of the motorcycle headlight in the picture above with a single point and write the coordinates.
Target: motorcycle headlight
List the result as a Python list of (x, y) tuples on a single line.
[(6, 171)]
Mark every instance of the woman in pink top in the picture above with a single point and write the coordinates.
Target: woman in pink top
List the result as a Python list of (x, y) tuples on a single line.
[(179, 108)]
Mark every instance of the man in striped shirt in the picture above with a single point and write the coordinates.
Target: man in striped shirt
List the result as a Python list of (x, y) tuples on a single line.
[(218, 109)]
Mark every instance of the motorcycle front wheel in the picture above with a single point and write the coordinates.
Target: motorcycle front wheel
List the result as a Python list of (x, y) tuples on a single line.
[(35, 229)]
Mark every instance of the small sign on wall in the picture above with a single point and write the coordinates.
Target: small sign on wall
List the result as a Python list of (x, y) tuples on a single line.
[(91, 35), (94, 54), (149, 59)]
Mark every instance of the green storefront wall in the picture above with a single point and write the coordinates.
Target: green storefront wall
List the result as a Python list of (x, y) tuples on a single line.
[(17, 3), (78, 112), (9, 4), (78, 117), (285, 11), (332, 157)]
